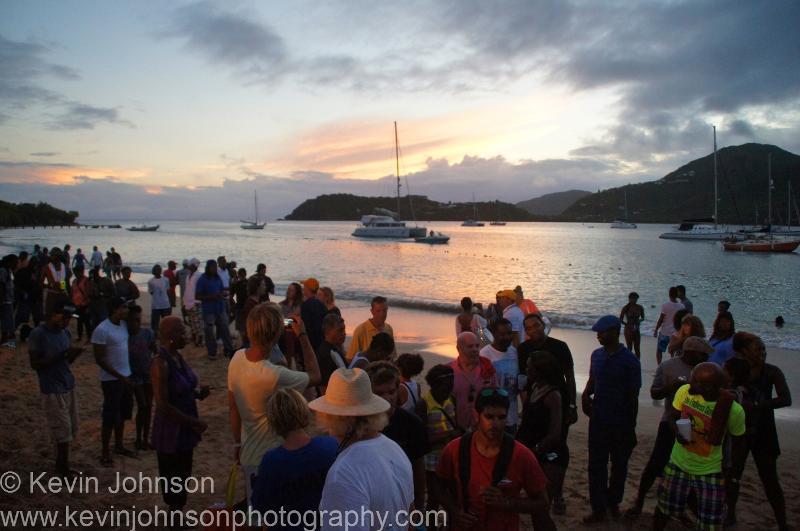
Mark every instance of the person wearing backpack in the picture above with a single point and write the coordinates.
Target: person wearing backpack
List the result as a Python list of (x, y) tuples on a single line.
[(483, 472)]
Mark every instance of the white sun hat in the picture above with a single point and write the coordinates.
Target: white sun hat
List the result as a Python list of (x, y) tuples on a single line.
[(349, 394)]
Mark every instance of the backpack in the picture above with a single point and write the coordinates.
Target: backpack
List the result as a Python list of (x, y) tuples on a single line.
[(500, 466)]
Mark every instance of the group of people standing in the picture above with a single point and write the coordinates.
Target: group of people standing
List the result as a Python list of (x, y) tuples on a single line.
[(492, 424), (32, 283)]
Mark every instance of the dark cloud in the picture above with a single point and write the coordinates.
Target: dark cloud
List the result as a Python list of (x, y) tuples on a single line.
[(45, 154), (234, 39), (80, 116), (22, 67)]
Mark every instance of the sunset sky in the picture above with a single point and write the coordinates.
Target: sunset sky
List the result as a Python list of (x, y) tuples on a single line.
[(119, 108)]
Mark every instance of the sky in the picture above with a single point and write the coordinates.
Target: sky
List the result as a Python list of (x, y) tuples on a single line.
[(180, 110)]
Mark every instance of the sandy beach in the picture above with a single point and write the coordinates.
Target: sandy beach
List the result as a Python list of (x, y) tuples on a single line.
[(25, 446)]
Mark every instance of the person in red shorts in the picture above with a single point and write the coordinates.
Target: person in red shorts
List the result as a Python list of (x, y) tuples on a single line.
[(482, 474)]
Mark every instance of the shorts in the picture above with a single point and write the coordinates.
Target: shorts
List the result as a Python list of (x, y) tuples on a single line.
[(432, 460), (663, 342), (61, 411), (675, 487), (117, 402)]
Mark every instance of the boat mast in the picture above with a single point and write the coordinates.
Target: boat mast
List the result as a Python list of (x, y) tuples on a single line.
[(397, 166), (769, 192), (789, 207), (715, 176), (255, 201)]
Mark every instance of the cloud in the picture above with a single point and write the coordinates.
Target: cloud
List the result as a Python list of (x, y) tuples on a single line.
[(45, 154), (114, 198), (24, 72), (251, 48), (80, 116)]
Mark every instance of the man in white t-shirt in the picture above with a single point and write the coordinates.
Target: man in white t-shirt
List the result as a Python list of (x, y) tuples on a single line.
[(507, 300), (110, 342), (371, 474), (503, 356), (665, 322)]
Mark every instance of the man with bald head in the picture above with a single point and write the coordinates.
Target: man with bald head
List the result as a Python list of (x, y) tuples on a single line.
[(696, 460), (472, 373)]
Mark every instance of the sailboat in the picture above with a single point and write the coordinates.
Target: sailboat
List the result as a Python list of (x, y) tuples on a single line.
[(623, 223), (497, 220), (384, 223), (694, 229), (253, 225), (474, 221), (766, 243)]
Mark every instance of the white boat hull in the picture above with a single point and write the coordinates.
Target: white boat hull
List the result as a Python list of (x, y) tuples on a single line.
[(708, 236), (623, 225), (382, 232)]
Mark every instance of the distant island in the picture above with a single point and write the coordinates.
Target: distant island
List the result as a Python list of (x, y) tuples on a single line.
[(39, 214), (348, 207)]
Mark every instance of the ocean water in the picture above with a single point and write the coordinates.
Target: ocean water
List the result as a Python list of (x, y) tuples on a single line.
[(575, 273)]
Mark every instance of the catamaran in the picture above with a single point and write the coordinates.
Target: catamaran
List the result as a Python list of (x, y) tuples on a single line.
[(385, 223), (253, 225), (697, 229)]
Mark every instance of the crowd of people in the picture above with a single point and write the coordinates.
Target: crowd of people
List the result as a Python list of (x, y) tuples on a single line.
[(489, 425)]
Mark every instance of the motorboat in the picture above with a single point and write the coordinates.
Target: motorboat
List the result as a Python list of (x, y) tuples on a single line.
[(144, 228), (383, 226), (434, 238), (701, 230), (498, 223), (384, 223), (706, 228)]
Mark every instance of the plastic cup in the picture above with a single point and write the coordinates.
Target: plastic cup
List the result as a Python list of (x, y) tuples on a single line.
[(685, 428)]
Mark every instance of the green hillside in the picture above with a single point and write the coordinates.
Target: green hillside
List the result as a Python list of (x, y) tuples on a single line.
[(688, 192), (552, 204)]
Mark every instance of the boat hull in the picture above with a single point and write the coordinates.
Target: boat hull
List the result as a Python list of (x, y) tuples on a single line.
[(143, 229), (253, 226), (398, 233), (623, 225), (434, 240), (710, 236), (777, 246)]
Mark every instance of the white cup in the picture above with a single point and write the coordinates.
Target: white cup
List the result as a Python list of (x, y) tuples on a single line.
[(685, 428)]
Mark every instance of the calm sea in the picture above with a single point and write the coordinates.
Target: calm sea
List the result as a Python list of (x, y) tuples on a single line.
[(573, 272)]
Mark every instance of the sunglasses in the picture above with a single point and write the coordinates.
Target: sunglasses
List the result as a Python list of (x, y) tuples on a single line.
[(487, 392)]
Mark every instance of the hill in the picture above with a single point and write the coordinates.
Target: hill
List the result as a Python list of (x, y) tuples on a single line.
[(347, 207), (28, 214), (688, 192), (552, 204)]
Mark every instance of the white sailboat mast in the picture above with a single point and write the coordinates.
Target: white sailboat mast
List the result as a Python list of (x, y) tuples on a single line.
[(397, 166), (715, 176)]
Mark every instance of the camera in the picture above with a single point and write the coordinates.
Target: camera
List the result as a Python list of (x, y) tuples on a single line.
[(288, 322)]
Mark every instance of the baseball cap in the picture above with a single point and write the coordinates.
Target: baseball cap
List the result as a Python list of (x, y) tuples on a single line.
[(116, 302), (508, 293), (697, 344), (606, 322), (63, 308), (311, 283), (194, 261)]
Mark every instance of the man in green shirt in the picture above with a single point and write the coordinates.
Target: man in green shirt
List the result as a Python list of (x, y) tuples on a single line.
[(696, 460)]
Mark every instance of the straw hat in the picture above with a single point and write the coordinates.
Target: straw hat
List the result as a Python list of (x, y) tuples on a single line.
[(349, 394)]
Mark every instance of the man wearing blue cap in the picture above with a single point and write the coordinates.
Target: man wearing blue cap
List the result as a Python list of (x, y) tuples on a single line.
[(610, 400)]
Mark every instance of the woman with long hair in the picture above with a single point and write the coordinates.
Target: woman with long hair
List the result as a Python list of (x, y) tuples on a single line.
[(722, 338), (689, 326), (294, 298)]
